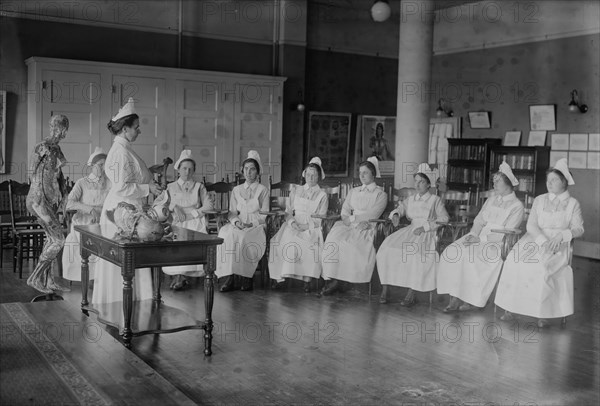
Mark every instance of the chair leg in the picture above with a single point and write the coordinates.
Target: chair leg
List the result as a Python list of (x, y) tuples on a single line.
[(563, 322), (430, 297), (20, 257)]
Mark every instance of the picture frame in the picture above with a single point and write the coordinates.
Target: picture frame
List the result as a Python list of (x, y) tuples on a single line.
[(329, 139), (578, 160), (2, 131), (542, 117), (556, 155), (594, 142), (536, 138), (377, 137), (593, 160), (560, 141), (512, 139), (480, 119)]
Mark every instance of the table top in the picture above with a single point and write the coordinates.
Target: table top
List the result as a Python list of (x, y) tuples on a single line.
[(181, 236)]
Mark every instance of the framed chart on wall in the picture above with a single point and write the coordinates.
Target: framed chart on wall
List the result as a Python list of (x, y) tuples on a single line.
[(329, 139), (2, 131)]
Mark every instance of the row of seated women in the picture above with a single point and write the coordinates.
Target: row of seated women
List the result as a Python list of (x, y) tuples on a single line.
[(537, 278)]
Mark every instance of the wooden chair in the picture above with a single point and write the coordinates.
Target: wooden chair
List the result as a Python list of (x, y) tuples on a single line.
[(220, 194), (5, 224), (461, 212), (27, 240), (334, 208)]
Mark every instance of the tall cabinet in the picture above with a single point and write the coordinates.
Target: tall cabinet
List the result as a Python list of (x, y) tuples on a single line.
[(469, 163), (218, 115)]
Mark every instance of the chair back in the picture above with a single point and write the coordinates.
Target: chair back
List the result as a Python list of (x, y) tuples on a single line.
[(334, 195), (404, 193), (457, 203), (220, 193), (4, 198), (18, 203), (279, 194)]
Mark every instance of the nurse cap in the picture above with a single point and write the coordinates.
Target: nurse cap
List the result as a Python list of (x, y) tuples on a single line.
[(505, 169), (127, 110), (375, 162), (317, 161), (561, 166), (186, 154)]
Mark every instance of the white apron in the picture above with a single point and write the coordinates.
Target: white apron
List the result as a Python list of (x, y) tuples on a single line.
[(242, 250), (409, 260), (349, 254), (108, 286), (470, 272), (535, 282), (296, 254), (188, 201)]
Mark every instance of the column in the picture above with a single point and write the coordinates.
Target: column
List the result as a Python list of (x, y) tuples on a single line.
[(414, 84)]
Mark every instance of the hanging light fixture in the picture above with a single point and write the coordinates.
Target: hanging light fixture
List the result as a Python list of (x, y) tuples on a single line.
[(574, 105), (381, 11)]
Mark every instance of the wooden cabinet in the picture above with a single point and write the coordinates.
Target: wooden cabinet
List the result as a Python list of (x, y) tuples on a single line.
[(218, 115), (469, 163), (529, 165)]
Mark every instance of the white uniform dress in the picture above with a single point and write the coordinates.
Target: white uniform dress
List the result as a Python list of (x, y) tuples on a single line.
[(348, 253), (192, 198), (297, 254), (470, 272), (535, 282), (242, 249), (130, 178), (409, 260), (88, 194)]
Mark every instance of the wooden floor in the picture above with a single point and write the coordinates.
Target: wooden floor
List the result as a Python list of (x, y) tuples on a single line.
[(273, 347)]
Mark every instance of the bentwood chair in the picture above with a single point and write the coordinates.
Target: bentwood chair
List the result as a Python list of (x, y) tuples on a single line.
[(28, 237)]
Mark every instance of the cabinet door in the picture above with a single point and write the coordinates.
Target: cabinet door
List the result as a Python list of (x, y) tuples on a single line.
[(153, 144), (204, 126), (76, 95), (257, 125)]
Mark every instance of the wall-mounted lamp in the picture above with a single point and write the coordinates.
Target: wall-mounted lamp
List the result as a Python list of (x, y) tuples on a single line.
[(443, 110), (300, 105), (574, 103), (381, 11)]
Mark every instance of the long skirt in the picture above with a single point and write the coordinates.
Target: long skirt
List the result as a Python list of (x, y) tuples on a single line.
[(470, 272), (536, 283), (408, 260), (295, 254), (349, 254), (241, 250)]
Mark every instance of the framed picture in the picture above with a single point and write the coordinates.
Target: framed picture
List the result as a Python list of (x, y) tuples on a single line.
[(560, 141), (480, 119), (2, 130), (578, 160), (329, 139), (594, 142), (536, 138), (512, 138), (542, 117), (377, 135), (556, 155), (593, 160)]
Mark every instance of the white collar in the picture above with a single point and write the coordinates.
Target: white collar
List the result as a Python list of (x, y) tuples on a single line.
[(370, 187), (562, 197), (182, 183), (308, 188), (424, 196), (248, 185), (507, 197), (123, 141)]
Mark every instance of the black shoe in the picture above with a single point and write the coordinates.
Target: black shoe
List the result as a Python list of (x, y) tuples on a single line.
[(246, 284), (331, 288), (409, 300), (279, 285), (306, 287), (228, 285)]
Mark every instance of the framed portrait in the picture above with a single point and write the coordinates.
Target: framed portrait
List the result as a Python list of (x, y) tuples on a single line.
[(536, 138), (329, 139), (480, 119), (542, 117), (2, 131), (377, 135)]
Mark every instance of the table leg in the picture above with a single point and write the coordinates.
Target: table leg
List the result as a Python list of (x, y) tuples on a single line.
[(209, 293), (157, 279), (127, 271), (85, 280)]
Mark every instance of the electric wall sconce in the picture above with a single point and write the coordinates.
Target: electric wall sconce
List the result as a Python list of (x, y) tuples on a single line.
[(443, 110), (300, 106), (574, 103), (381, 11)]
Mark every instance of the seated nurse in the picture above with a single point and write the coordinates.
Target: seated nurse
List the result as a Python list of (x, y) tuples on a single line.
[(408, 257), (349, 253), (537, 279), (469, 267)]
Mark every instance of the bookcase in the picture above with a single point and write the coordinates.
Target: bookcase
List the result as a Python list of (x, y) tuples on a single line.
[(469, 163), (529, 165)]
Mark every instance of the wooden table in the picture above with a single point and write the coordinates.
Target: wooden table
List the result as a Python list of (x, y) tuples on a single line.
[(187, 248)]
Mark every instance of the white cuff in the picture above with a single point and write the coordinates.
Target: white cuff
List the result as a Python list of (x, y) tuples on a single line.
[(567, 235), (352, 218), (426, 226)]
